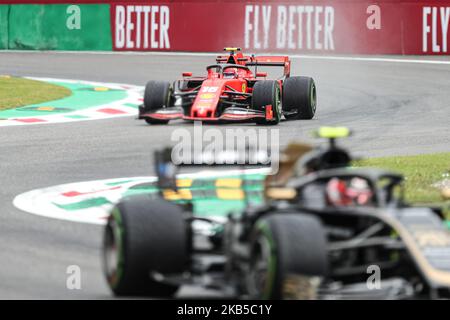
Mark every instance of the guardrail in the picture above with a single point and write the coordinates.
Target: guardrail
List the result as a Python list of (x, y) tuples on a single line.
[(324, 27)]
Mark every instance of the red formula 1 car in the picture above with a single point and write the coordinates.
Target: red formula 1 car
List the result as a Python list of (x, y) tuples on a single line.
[(232, 92)]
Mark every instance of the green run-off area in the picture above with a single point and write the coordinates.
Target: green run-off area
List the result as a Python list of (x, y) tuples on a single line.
[(207, 198), (425, 175), (83, 96), (17, 92)]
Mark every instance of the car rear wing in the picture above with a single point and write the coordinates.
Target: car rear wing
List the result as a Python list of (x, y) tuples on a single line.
[(271, 61), (264, 61)]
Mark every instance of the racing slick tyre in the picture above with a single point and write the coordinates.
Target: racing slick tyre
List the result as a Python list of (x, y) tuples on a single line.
[(266, 93), (299, 98), (156, 96), (288, 253), (144, 235)]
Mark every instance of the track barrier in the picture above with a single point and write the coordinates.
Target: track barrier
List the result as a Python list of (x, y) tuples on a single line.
[(291, 26)]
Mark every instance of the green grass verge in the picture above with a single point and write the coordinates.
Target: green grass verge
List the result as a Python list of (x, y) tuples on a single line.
[(18, 92), (421, 172)]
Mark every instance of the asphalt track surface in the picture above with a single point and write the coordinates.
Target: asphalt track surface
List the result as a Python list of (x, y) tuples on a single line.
[(394, 108)]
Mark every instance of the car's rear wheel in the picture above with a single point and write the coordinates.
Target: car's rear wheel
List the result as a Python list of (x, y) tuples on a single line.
[(267, 93), (157, 95), (299, 98), (288, 255), (143, 235)]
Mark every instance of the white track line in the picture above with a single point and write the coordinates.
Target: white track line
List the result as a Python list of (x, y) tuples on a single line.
[(212, 54)]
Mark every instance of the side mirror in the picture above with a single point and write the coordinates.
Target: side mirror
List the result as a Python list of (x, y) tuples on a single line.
[(187, 74), (261, 74)]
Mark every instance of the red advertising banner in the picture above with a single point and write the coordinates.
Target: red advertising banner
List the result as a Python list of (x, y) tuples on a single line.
[(290, 26), (356, 27)]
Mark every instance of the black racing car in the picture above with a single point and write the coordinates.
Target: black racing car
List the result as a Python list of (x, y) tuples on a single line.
[(325, 231)]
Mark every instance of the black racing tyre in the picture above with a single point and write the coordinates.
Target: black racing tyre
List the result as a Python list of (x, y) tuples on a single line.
[(300, 95), (157, 95), (267, 92), (143, 235), (285, 247)]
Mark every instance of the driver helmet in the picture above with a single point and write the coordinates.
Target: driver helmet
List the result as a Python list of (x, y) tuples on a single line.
[(360, 191), (341, 192), (230, 73), (336, 191)]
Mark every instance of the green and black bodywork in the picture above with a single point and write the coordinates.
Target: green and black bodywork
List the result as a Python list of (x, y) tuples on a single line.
[(283, 237)]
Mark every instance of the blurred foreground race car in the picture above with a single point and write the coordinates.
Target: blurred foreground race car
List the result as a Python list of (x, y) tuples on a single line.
[(325, 231), (232, 92)]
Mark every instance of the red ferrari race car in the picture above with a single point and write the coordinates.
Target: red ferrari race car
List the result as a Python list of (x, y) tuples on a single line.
[(232, 92)]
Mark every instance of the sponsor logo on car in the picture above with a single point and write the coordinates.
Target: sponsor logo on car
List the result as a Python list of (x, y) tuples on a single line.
[(207, 96)]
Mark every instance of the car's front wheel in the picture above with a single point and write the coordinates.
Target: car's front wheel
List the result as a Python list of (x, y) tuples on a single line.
[(144, 235), (288, 253), (157, 95), (267, 94), (299, 98)]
